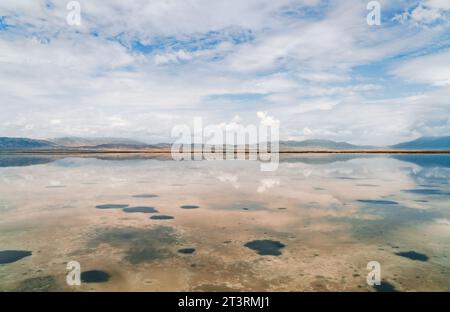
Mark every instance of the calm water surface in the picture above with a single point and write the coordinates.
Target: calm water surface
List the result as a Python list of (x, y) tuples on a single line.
[(143, 223)]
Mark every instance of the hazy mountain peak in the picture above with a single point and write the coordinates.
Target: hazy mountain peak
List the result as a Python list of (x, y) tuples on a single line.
[(320, 144), (426, 143), (90, 142), (24, 143)]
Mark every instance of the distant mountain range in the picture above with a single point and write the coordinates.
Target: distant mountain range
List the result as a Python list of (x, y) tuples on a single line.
[(89, 142), (431, 143), (321, 144), (22, 143), (74, 143), (425, 143)]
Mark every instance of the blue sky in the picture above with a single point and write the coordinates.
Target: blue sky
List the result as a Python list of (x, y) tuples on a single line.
[(138, 68)]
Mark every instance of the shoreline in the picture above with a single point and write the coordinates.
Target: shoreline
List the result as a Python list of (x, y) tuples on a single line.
[(166, 151)]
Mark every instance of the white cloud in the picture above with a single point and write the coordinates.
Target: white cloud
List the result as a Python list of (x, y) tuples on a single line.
[(267, 120), (266, 184), (427, 12), (173, 57), (301, 68), (431, 69)]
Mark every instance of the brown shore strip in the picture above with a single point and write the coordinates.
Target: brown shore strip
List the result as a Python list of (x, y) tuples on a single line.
[(167, 151)]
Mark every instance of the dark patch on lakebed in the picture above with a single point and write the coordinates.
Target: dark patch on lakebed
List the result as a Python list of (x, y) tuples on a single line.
[(111, 206), (385, 287), (145, 196), (427, 192), (378, 202), (38, 284), (139, 245), (413, 255), (162, 217), (94, 276), (266, 247), (186, 251), (189, 207), (142, 209), (10, 256)]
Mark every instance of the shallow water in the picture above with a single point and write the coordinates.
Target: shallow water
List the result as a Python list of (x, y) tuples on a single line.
[(313, 224)]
